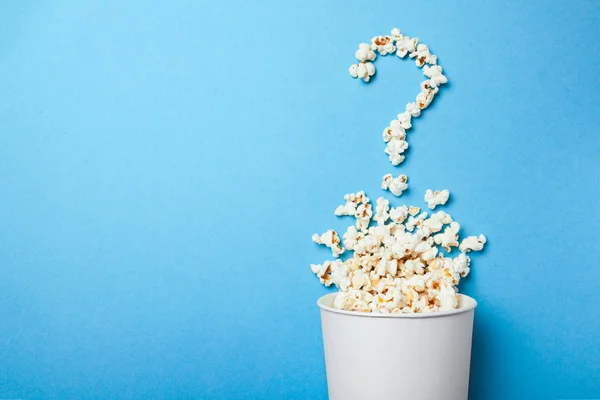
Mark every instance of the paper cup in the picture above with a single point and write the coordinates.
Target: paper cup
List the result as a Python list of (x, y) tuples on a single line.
[(425, 356)]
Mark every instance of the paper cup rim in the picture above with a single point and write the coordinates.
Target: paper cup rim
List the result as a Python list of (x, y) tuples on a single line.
[(466, 303)]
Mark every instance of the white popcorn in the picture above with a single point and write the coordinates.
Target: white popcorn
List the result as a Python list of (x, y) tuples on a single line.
[(351, 237), (426, 251), (422, 55), (412, 267), (396, 145), (397, 158), (474, 243), (383, 44), (449, 238), (361, 306), (344, 301), (405, 120), (413, 210), (444, 217), (427, 87), (381, 269), (331, 240), (363, 70), (382, 211), (427, 94), (371, 243), (339, 275), (434, 72), (363, 216), (392, 267), (435, 222), (361, 295), (352, 201), (406, 45), (447, 298), (394, 131), (460, 264), (365, 53), (413, 109), (395, 148), (396, 35), (323, 271), (398, 214), (415, 221), (346, 209), (395, 185), (359, 280), (437, 198)]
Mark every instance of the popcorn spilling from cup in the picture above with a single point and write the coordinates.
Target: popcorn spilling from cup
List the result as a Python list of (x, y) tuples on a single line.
[(397, 265)]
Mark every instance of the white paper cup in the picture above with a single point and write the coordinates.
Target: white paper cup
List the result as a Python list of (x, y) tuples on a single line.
[(425, 356)]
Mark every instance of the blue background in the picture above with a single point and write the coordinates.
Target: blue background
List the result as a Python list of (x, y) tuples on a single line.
[(163, 167)]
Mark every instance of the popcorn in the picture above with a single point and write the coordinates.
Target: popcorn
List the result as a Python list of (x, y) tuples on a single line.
[(396, 265), (437, 198), (435, 73), (364, 70), (426, 251), (397, 158), (339, 274), (472, 243), (449, 238), (447, 298), (396, 35), (383, 44), (360, 279), (346, 209), (323, 271), (395, 185), (364, 53), (331, 240), (343, 301), (352, 237), (412, 267), (404, 120), (352, 201), (427, 94), (382, 211), (415, 221), (406, 45), (426, 86), (395, 148), (460, 265), (398, 214), (394, 131), (413, 109), (363, 216), (422, 55), (435, 222)]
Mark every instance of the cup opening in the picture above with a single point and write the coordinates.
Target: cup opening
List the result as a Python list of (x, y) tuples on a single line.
[(465, 304)]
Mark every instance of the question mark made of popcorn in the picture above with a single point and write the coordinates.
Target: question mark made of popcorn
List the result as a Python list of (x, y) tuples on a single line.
[(397, 266), (395, 134)]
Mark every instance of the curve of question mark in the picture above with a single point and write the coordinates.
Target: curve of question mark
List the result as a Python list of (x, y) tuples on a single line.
[(395, 134)]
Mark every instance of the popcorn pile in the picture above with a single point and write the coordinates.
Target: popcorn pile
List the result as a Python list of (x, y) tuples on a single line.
[(397, 265)]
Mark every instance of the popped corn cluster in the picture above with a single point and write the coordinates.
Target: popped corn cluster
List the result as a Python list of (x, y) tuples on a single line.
[(396, 264)]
